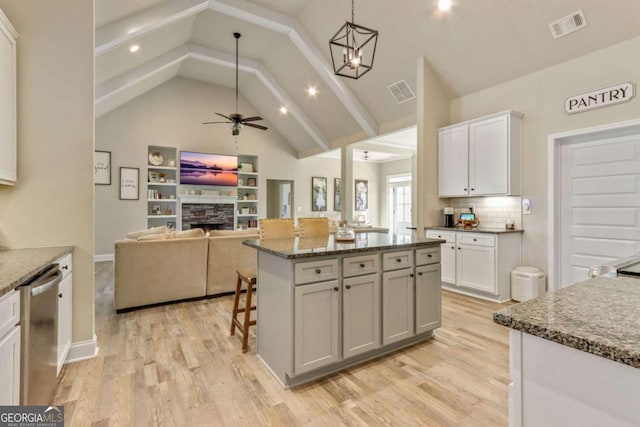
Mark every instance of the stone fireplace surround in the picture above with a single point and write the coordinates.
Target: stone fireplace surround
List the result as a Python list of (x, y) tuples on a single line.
[(207, 212)]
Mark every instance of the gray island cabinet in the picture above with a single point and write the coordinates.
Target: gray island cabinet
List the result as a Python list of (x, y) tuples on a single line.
[(325, 305)]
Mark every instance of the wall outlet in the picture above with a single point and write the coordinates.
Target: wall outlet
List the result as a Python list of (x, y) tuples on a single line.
[(526, 206)]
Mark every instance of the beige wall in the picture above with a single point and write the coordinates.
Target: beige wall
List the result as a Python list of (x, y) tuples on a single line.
[(52, 203), (540, 97), (171, 115)]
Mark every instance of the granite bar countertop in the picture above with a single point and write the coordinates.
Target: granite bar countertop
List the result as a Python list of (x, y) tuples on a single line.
[(477, 230), (19, 265), (600, 316), (301, 247)]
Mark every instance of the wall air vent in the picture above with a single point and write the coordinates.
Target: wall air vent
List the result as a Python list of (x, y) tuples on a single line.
[(401, 91), (568, 24)]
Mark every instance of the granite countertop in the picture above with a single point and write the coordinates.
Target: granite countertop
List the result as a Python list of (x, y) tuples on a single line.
[(321, 246), (477, 230), (600, 316), (19, 265)]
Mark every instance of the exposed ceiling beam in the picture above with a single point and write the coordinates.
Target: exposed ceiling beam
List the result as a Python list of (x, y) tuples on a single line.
[(136, 75), (125, 30), (383, 148), (269, 19)]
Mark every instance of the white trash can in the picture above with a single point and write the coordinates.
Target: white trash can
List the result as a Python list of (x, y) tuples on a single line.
[(527, 283)]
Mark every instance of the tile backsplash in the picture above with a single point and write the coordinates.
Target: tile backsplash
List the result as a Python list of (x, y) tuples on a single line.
[(492, 212)]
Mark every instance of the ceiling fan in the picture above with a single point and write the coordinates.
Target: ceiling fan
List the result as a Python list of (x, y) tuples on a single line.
[(236, 120)]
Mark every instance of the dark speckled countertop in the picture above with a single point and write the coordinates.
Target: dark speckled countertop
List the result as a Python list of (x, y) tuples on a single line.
[(600, 316), (19, 265), (478, 230), (321, 246)]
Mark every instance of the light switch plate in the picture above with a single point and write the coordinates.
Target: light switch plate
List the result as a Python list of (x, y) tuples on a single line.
[(299, 208), (526, 206)]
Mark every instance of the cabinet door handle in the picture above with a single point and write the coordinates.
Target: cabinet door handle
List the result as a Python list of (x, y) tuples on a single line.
[(348, 286), (318, 271), (398, 260), (336, 289), (439, 236), (410, 274), (465, 189), (429, 255), (420, 273), (60, 295), (473, 189), (361, 265), (65, 267), (453, 247), (459, 248), (475, 240)]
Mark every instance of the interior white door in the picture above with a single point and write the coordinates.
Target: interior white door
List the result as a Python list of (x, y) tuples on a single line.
[(600, 204), (400, 206)]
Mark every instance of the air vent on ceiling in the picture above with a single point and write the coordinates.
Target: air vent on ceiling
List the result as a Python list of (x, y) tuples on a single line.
[(568, 24), (401, 91)]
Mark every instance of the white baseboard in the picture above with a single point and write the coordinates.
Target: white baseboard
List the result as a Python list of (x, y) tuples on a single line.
[(83, 350), (103, 257)]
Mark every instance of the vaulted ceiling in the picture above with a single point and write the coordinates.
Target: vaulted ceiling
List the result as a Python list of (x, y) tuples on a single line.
[(284, 50)]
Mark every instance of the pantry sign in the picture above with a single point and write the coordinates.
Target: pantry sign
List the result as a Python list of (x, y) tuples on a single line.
[(623, 92)]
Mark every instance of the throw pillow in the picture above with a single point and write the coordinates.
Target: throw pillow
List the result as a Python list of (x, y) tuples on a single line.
[(163, 236), (155, 230), (194, 232), (248, 231)]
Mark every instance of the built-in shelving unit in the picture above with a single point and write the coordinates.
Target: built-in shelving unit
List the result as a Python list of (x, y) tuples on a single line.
[(247, 206), (161, 186)]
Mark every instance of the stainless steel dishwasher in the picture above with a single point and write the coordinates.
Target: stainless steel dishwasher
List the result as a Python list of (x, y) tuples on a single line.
[(39, 321)]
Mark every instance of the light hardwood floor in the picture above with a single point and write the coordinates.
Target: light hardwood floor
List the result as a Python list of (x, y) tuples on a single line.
[(176, 365)]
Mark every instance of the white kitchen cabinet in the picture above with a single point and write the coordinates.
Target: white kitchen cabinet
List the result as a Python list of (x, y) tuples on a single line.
[(65, 298), (475, 268), (480, 157), (427, 298), (397, 305), (447, 254), (317, 322), (361, 314), (8, 112), (10, 349)]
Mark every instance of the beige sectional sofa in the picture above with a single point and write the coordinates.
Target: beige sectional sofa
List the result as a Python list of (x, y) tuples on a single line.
[(156, 270)]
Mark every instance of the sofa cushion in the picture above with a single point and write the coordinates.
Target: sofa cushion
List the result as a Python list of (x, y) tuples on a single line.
[(155, 230), (149, 237), (194, 232), (248, 231)]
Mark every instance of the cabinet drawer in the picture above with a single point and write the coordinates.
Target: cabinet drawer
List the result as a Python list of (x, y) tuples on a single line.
[(9, 311), (449, 236), (359, 265), (65, 264), (428, 255), (316, 271), (477, 239), (396, 260)]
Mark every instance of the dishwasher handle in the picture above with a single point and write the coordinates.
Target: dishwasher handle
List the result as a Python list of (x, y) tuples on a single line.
[(50, 280)]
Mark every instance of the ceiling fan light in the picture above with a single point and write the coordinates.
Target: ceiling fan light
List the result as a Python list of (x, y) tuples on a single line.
[(283, 110), (311, 90)]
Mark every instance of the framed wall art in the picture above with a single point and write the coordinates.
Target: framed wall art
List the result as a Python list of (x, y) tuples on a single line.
[(361, 195), (318, 194), (102, 168), (337, 195), (129, 183)]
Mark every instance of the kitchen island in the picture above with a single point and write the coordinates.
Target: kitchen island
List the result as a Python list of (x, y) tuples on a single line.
[(575, 355), (324, 305)]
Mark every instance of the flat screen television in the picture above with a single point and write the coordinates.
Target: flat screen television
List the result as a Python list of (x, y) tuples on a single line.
[(208, 169)]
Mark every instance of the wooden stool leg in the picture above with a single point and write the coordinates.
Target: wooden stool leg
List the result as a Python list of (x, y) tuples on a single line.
[(247, 317), (236, 301)]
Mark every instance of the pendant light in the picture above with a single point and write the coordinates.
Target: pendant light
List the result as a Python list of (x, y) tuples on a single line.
[(353, 49)]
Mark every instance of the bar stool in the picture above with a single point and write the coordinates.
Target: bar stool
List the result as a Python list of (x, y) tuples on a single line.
[(313, 227), (247, 276), (277, 228)]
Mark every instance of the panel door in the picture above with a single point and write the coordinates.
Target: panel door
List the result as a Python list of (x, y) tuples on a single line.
[(489, 156), (8, 146), (453, 161), (448, 262), (600, 211), (10, 368), (428, 293), (317, 323), (476, 268), (64, 320), (361, 314), (397, 305)]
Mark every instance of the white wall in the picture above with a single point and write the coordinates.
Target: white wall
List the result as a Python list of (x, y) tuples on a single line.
[(52, 202), (171, 115), (540, 97)]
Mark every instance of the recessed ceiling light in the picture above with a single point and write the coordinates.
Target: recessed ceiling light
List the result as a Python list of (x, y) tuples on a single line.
[(444, 5), (134, 48), (283, 110), (311, 90)]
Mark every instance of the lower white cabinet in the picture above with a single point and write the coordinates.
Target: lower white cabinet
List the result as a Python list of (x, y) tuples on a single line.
[(317, 322), (360, 314), (64, 320), (428, 300), (397, 305), (10, 349), (475, 268)]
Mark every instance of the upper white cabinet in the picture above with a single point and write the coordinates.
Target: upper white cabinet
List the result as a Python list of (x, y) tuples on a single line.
[(480, 157), (8, 140)]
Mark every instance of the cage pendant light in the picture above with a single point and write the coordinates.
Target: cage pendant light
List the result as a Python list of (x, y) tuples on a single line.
[(353, 49)]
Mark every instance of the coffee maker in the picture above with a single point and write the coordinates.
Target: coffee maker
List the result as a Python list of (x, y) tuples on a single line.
[(449, 221)]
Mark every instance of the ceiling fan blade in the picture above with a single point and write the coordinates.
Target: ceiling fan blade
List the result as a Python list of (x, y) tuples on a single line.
[(226, 117), (255, 126), (252, 119), (213, 123)]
